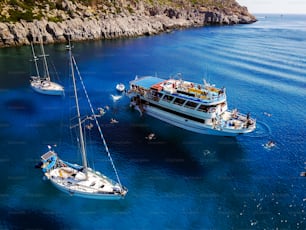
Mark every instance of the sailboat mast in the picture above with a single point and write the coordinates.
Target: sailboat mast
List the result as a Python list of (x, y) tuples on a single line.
[(35, 60), (83, 151), (45, 61)]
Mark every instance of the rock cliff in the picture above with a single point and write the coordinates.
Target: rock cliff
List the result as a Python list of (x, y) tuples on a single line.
[(87, 20)]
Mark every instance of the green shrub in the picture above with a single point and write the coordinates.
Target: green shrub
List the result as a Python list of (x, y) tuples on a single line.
[(16, 15), (54, 19)]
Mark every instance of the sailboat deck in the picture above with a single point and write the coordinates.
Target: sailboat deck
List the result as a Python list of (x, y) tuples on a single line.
[(76, 181)]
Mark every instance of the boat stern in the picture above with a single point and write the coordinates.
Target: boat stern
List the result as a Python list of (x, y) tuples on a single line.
[(48, 160)]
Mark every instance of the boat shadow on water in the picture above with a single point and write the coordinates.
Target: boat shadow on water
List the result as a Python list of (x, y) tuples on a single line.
[(31, 219), (171, 148), (22, 106)]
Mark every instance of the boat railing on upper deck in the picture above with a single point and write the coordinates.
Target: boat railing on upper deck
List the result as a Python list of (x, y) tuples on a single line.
[(217, 98), (205, 99)]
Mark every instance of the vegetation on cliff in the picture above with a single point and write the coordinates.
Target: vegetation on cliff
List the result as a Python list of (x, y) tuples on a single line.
[(58, 10), (25, 21)]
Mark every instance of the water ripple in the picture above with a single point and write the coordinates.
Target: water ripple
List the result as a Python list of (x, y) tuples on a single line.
[(262, 130)]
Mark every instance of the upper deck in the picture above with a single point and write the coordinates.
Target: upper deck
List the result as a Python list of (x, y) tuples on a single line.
[(204, 93)]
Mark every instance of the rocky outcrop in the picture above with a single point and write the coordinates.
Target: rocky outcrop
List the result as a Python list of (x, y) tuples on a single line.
[(86, 25)]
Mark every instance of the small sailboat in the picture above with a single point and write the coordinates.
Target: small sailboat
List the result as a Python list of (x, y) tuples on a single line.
[(40, 84), (80, 180), (120, 87)]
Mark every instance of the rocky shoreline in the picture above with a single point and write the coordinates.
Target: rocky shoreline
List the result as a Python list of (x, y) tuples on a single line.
[(147, 22)]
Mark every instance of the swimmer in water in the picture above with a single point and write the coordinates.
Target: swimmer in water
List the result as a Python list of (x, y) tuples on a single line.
[(113, 121), (101, 111), (267, 114), (270, 144), (151, 136)]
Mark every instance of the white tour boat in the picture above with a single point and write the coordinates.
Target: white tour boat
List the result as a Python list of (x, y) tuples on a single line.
[(43, 84), (81, 180), (200, 108)]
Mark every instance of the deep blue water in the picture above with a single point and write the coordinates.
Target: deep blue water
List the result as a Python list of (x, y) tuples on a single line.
[(180, 180)]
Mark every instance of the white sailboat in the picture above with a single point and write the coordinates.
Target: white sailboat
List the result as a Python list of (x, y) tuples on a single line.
[(40, 84), (80, 180)]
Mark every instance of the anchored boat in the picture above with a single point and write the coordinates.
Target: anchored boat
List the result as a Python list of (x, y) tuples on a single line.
[(43, 84), (200, 108), (81, 180)]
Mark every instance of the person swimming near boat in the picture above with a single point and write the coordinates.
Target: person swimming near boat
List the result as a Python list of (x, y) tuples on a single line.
[(270, 144), (89, 126), (113, 121), (267, 114), (101, 111), (151, 136)]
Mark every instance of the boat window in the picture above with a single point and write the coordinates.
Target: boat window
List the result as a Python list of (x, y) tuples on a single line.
[(167, 98), (160, 95), (191, 104), (179, 101), (203, 108), (155, 95), (173, 111)]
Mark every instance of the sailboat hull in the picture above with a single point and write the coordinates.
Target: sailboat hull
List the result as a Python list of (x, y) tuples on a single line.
[(47, 87), (86, 195), (92, 185)]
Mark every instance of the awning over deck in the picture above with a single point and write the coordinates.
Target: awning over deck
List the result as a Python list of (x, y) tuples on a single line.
[(147, 82)]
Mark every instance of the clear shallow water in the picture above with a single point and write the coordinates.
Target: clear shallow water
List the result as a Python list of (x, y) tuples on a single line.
[(180, 180)]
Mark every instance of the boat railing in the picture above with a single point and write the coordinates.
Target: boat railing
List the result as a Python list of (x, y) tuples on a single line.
[(239, 121), (137, 90), (217, 98)]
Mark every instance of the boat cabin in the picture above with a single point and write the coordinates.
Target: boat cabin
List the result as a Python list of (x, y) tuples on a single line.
[(156, 87)]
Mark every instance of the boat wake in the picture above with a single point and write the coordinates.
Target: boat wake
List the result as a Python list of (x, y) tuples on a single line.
[(262, 130), (116, 97)]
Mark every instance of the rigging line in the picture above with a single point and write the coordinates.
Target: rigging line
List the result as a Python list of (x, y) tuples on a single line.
[(55, 71), (45, 61), (35, 58), (97, 123)]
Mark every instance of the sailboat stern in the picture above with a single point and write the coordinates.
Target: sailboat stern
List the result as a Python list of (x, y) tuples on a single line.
[(48, 161)]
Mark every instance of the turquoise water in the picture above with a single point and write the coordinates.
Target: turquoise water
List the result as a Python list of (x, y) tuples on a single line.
[(180, 180)]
